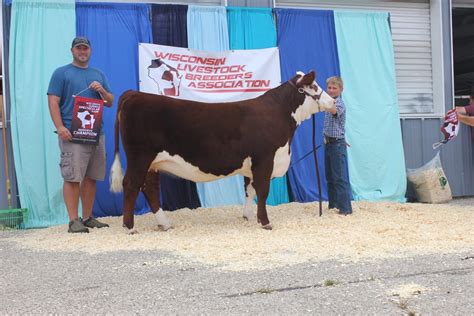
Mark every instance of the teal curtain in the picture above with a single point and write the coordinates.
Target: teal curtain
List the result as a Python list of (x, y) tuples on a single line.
[(375, 158), (254, 28), (207, 30), (251, 28), (40, 38)]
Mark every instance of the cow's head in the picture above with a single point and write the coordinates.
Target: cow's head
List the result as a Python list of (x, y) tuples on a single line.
[(316, 99), (166, 77)]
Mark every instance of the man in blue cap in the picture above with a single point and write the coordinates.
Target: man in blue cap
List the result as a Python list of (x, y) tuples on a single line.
[(81, 164)]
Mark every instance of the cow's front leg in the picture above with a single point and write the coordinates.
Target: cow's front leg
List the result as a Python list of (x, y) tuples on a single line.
[(250, 195), (261, 179), (151, 190)]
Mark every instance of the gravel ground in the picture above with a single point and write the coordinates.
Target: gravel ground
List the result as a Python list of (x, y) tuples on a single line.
[(157, 282)]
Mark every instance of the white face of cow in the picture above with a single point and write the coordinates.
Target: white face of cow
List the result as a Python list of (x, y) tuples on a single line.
[(316, 100)]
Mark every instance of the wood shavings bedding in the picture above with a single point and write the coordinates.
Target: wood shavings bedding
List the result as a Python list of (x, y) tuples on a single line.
[(221, 238)]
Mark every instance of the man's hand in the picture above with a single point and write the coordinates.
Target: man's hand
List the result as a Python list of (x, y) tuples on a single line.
[(105, 95), (97, 87), (64, 133)]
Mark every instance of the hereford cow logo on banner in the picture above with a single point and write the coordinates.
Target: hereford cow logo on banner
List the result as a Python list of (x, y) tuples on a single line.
[(87, 119), (167, 78), (207, 76)]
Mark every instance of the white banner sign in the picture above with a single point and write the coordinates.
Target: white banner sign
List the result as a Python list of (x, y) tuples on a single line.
[(208, 76)]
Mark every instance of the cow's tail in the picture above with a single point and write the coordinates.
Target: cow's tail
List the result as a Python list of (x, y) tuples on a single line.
[(116, 172)]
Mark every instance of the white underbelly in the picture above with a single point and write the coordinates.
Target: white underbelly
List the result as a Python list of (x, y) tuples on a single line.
[(179, 167), (281, 162)]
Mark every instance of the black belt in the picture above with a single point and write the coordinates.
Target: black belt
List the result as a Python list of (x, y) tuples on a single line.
[(330, 140)]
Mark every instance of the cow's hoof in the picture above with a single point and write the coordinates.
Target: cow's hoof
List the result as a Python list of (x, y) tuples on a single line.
[(130, 231), (165, 227), (267, 227)]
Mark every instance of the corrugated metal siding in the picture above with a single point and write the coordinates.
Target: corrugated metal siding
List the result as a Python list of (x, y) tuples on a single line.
[(457, 156), (411, 31)]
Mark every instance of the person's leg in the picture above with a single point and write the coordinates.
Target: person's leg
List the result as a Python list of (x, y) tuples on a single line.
[(328, 164), (88, 188), (71, 198), (72, 177), (342, 186), (95, 172)]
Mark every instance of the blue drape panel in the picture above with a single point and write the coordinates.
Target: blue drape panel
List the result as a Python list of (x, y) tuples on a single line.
[(114, 31), (307, 41), (207, 30), (169, 24), (169, 27), (376, 158), (40, 37), (253, 28)]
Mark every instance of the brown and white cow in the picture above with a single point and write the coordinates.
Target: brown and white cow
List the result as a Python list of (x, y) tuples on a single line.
[(209, 141)]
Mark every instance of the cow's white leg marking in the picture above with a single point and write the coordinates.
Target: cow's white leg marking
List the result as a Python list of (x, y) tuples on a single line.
[(162, 220), (268, 226), (248, 212), (131, 231)]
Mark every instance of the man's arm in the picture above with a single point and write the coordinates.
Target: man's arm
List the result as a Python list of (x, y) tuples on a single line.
[(468, 120), (106, 95), (53, 104)]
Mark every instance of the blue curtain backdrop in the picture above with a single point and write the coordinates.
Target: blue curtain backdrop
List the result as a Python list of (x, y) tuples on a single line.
[(376, 159), (207, 30), (169, 27), (40, 37), (253, 28), (307, 41), (114, 31)]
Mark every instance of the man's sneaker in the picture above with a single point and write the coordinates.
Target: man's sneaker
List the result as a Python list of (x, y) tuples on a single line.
[(93, 223), (76, 226)]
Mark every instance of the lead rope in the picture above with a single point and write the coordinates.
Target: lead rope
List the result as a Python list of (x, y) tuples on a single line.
[(316, 166)]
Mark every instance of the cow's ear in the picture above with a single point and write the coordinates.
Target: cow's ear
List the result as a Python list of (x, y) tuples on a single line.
[(307, 79)]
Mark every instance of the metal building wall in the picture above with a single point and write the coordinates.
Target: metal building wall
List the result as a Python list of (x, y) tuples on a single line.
[(457, 156)]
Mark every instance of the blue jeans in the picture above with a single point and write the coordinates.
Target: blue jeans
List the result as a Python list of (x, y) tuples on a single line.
[(335, 157)]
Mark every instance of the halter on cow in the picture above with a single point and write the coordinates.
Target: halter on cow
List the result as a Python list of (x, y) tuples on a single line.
[(209, 141)]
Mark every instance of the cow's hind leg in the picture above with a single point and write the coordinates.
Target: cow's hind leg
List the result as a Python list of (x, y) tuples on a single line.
[(250, 195), (151, 190), (132, 182), (261, 179)]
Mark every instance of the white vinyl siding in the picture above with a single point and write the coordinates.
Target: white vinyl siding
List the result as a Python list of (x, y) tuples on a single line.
[(412, 41)]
